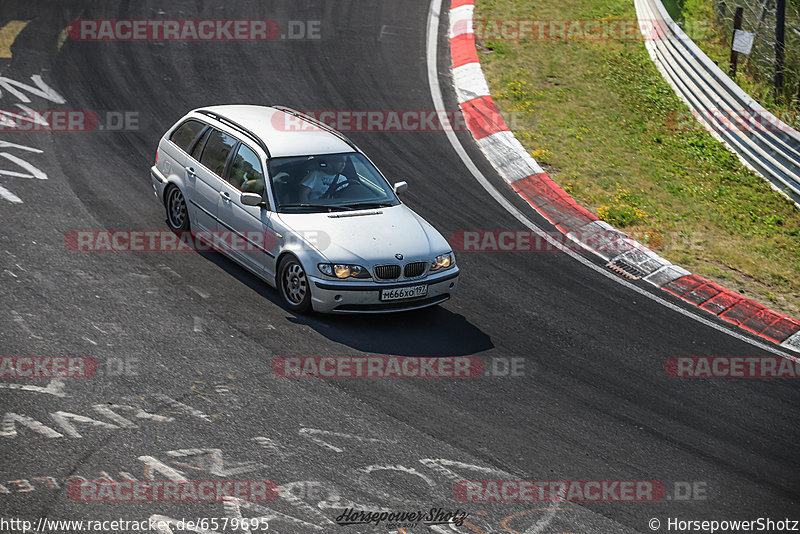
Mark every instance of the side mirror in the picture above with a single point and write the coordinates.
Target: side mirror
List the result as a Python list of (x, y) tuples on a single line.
[(399, 187), (251, 199)]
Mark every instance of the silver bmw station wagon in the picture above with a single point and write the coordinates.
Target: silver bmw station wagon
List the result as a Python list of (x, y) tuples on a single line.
[(308, 211)]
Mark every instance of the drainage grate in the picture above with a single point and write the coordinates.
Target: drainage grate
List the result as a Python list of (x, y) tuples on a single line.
[(626, 269)]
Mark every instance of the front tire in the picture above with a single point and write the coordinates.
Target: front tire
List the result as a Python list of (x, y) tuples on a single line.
[(293, 285), (177, 214)]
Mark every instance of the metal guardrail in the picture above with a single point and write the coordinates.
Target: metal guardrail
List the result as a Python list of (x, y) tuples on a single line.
[(763, 142)]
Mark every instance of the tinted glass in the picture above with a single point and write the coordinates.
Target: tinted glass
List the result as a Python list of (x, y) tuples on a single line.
[(186, 133), (329, 182), (198, 148), (218, 148), (247, 174)]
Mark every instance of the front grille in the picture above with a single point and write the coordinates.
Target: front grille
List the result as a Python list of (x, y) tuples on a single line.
[(412, 270), (387, 272)]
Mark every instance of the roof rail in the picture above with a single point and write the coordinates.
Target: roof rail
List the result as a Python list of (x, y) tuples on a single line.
[(317, 123), (235, 126)]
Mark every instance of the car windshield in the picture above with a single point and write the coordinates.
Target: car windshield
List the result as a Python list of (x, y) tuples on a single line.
[(329, 182)]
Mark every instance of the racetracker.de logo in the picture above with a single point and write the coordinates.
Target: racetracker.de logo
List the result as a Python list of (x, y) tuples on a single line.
[(47, 367), (390, 120), (559, 490), (168, 241), (604, 29), (377, 367), (540, 241), (51, 121), (731, 367), (192, 30), (732, 120), (172, 490)]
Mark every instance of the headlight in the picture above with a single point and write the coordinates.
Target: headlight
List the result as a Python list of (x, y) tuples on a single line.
[(443, 261), (343, 270)]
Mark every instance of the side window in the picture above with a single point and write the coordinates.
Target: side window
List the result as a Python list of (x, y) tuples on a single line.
[(247, 174), (218, 148), (198, 148), (186, 133)]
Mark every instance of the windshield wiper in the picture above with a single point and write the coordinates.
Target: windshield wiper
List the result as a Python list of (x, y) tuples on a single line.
[(318, 207), (367, 205)]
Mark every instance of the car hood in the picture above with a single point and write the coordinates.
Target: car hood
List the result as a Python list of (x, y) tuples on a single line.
[(369, 237)]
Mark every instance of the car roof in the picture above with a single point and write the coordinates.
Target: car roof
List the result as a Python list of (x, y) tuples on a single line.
[(283, 133)]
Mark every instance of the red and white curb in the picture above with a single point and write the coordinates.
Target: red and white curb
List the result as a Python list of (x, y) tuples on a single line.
[(526, 177)]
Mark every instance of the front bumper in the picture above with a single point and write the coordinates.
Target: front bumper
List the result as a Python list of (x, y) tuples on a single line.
[(364, 297), (159, 182)]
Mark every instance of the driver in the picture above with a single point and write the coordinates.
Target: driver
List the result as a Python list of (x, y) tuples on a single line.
[(322, 182)]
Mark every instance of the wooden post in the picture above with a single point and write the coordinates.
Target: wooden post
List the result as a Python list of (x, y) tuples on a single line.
[(737, 25)]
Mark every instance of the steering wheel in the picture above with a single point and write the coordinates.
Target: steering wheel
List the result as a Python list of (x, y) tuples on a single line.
[(338, 187)]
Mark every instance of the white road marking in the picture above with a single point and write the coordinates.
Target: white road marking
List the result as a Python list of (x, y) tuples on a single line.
[(176, 405), (5, 194), (8, 428), (199, 291), (153, 464), (41, 89), (34, 171), (311, 434), (169, 270), (55, 388), (99, 329), (21, 322), (106, 411), (64, 420), (289, 491), (211, 460), (438, 101), (198, 324), (31, 116), (269, 444), (6, 144)]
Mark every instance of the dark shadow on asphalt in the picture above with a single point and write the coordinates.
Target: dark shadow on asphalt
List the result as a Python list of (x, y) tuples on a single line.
[(434, 331)]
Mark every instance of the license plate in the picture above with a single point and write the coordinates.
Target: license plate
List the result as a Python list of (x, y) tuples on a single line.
[(400, 293)]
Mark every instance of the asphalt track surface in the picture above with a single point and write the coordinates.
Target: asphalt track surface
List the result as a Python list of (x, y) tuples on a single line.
[(594, 402)]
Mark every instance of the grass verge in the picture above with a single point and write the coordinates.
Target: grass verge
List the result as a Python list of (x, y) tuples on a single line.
[(600, 119)]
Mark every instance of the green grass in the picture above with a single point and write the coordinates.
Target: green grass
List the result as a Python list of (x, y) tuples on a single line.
[(601, 120)]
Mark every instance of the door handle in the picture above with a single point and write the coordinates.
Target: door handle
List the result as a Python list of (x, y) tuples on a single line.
[(225, 196), (190, 172)]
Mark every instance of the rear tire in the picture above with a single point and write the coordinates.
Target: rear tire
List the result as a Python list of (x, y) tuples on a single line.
[(293, 285), (177, 214)]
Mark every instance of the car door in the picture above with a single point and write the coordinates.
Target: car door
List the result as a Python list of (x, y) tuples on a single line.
[(180, 157), (250, 228), (205, 169)]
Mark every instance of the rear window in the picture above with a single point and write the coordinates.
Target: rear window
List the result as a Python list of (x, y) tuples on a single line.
[(215, 154), (186, 133)]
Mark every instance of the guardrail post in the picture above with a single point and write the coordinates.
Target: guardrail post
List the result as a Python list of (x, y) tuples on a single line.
[(737, 25)]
